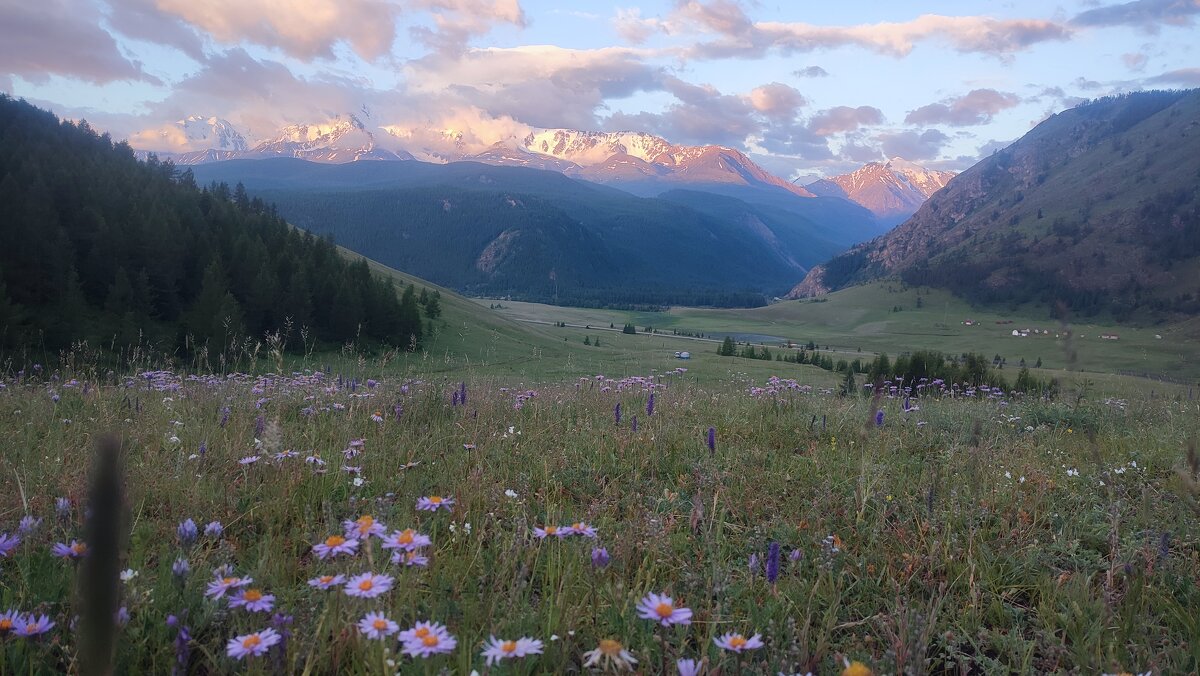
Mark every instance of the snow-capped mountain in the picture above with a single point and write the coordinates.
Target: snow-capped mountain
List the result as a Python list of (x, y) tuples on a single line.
[(892, 190), (637, 161), (638, 157), (342, 139)]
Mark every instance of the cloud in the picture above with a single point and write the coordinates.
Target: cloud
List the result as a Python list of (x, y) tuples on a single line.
[(912, 145), (1148, 15), (776, 100), (978, 106), (811, 71), (739, 37), (1188, 77), (541, 85), (844, 118), (700, 115), (634, 28), (142, 20), (457, 21), (304, 29), (1135, 61), (58, 37)]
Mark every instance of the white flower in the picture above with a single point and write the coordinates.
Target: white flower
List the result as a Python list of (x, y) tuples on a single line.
[(511, 493), (358, 481), (128, 574), (1008, 475)]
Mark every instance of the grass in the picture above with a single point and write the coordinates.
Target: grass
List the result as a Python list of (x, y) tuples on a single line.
[(957, 536), (862, 318)]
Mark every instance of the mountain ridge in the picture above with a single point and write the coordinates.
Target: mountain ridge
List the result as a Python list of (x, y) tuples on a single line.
[(1096, 209)]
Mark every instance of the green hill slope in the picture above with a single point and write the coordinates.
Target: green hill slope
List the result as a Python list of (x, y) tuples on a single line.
[(1096, 210)]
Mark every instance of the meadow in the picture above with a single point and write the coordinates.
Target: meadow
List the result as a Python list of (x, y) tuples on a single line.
[(919, 531)]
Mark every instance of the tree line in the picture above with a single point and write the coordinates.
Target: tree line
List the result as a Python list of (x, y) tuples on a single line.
[(99, 246)]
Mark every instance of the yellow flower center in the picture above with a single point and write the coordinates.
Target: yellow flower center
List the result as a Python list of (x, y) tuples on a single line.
[(664, 610), (856, 669), (737, 642), (335, 541), (229, 581), (610, 647), (430, 640), (31, 627), (365, 522), (508, 646), (576, 526), (410, 556), (551, 530), (379, 624), (366, 585), (6, 624), (421, 632), (406, 537), (251, 641), (79, 548), (435, 499), (252, 595)]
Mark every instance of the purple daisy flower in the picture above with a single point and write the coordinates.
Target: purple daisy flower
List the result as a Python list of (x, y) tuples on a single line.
[(435, 502), (253, 600), (662, 609), (31, 626), (368, 585), (252, 645), (377, 626), (335, 545), (407, 539), (496, 649), (737, 643), (413, 558), (326, 581), (219, 586), (28, 524), (428, 638), (75, 550)]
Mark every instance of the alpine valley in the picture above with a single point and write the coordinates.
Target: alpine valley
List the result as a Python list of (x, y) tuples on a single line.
[(622, 218)]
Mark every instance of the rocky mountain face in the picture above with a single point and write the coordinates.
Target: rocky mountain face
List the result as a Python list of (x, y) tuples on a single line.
[(1097, 209), (891, 190)]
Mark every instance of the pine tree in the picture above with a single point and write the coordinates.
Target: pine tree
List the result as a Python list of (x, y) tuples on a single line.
[(727, 348)]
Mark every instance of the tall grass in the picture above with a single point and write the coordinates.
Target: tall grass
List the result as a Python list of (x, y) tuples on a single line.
[(969, 535)]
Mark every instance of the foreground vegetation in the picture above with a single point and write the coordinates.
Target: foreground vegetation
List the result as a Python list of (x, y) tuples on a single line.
[(910, 533)]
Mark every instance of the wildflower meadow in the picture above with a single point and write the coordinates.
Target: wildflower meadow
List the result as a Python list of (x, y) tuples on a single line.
[(353, 521)]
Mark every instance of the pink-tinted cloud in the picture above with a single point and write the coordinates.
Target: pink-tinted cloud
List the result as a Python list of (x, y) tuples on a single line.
[(57, 37), (777, 100), (844, 118), (913, 145), (142, 20), (457, 21), (305, 29), (738, 36), (811, 71), (978, 106)]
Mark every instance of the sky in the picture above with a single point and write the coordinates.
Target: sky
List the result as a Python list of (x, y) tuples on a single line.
[(806, 88)]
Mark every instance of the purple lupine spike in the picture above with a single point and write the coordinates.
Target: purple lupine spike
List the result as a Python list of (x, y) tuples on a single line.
[(650, 405), (462, 393), (712, 440), (454, 398), (773, 562), (203, 448), (879, 418), (635, 423), (260, 424), (224, 416), (617, 413), (600, 557), (398, 409)]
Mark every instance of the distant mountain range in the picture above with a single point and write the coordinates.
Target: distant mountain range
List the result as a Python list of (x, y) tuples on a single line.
[(891, 190), (540, 235), (1096, 209)]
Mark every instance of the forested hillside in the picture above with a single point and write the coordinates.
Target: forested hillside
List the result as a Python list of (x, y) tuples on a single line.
[(100, 246)]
